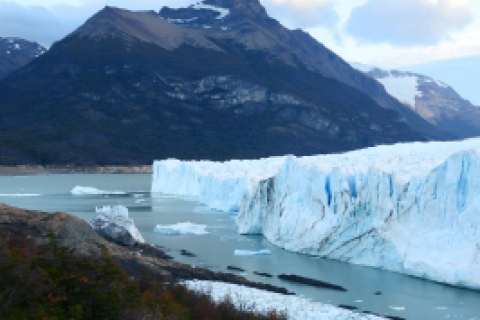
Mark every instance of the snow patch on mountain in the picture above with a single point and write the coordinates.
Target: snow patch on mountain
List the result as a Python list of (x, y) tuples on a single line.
[(411, 208), (222, 11), (404, 88), (362, 67)]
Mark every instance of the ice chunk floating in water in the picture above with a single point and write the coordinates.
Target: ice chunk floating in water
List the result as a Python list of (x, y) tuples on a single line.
[(250, 253), (113, 222), (182, 228), (294, 307), (79, 190), (413, 208)]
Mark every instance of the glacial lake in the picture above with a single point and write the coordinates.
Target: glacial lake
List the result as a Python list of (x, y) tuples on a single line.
[(401, 296)]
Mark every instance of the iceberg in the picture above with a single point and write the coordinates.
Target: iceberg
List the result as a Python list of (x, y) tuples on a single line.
[(251, 253), (182, 229), (113, 223), (79, 190), (412, 208)]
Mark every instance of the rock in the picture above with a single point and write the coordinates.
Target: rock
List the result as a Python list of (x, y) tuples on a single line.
[(309, 281), (235, 269), (262, 274), (347, 307), (187, 253), (114, 224)]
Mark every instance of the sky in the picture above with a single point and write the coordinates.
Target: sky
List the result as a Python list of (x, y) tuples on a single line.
[(384, 33)]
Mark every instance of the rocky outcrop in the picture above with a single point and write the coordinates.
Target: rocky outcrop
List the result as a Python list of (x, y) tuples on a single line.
[(79, 235)]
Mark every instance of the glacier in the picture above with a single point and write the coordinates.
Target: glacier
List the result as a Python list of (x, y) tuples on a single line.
[(412, 208)]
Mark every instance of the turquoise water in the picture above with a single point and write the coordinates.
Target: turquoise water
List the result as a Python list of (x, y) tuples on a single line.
[(402, 296)]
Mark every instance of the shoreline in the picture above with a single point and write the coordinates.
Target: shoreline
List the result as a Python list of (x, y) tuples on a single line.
[(67, 169), (141, 258)]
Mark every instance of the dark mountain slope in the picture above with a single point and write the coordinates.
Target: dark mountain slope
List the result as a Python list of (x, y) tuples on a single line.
[(248, 23), (15, 53), (124, 89)]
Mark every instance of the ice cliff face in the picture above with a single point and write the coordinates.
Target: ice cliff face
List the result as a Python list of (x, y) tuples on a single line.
[(411, 208)]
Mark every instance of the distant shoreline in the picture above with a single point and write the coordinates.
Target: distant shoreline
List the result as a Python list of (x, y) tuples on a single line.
[(38, 170)]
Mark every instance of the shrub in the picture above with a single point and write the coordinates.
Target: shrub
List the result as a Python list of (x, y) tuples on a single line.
[(52, 282)]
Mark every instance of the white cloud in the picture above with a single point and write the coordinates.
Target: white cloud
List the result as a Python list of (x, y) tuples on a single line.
[(302, 4), (408, 22), (46, 21), (303, 13)]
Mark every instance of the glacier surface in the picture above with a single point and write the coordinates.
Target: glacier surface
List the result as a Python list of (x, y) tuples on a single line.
[(412, 208)]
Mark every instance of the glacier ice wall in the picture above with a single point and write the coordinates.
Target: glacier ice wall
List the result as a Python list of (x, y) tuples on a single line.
[(410, 208)]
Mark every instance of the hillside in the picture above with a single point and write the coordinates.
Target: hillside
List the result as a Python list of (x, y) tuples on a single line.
[(15, 53)]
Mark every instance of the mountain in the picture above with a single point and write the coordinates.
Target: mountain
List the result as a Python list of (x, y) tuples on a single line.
[(218, 80), (461, 73), (433, 100), (410, 208), (248, 22), (15, 53)]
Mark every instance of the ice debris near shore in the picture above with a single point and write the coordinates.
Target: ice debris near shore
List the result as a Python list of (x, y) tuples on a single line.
[(184, 228), (412, 208), (113, 223), (251, 253), (294, 307), (79, 190)]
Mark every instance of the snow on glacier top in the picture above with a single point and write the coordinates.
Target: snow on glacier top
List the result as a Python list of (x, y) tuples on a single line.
[(403, 160)]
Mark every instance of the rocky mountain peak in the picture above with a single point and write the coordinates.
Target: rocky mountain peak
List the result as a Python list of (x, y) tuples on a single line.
[(239, 6), (216, 14), (144, 26)]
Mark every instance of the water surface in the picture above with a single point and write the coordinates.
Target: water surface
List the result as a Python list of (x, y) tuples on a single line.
[(403, 296)]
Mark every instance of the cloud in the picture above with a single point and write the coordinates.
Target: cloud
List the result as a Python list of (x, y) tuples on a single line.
[(408, 22), (33, 23), (303, 13)]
